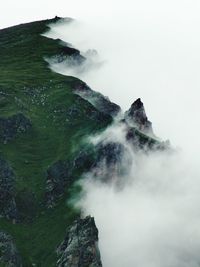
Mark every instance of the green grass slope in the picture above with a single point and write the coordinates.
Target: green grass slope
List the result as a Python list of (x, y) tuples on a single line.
[(28, 86)]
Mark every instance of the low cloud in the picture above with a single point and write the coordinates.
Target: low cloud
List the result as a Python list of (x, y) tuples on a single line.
[(148, 50), (153, 220)]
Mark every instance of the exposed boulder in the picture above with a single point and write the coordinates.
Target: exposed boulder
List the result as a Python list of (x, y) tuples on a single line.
[(80, 246), (136, 117), (99, 101), (11, 126), (8, 207), (58, 179), (9, 256)]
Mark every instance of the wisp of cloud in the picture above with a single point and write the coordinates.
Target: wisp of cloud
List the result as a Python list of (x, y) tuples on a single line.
[(148, 50), (153, 220)]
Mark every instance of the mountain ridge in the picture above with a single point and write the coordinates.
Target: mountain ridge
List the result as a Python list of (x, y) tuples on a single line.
[(45, 150)]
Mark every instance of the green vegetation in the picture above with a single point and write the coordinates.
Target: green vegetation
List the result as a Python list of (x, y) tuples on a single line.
[(27, 85)]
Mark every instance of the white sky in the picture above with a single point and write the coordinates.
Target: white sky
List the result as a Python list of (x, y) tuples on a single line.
[(20, 11)]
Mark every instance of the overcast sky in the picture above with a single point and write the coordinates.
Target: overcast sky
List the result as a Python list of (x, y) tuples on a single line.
[(20, 11)]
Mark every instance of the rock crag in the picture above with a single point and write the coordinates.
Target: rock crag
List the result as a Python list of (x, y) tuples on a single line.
[(80, 246), (99, 101), (136, 116)]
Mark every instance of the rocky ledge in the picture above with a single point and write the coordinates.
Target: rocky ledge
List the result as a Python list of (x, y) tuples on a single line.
[(99, 101), (80, 246)]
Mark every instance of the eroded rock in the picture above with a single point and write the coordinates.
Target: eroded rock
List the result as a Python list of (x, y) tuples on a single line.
[(82, 108), (80, 246), (136, 117), (99, 101)]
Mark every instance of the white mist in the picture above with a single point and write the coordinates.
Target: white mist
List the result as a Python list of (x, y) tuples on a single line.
[(147, 49)]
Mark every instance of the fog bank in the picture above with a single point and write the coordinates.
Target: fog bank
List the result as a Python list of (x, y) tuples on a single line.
[(152, 221), (148, 50)]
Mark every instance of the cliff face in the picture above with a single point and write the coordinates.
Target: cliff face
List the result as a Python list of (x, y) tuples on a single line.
[(80, 246)]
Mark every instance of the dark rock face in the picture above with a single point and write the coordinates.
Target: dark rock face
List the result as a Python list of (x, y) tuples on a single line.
[(58, 179), (102, 103), (84, 160), (136, 116), (8, 207), (10, 127), (80, 247), (70, 55), (141, 141), (110, 163), (69, 51), (111, 153), (105, 161), (81, 108), (8, 251)]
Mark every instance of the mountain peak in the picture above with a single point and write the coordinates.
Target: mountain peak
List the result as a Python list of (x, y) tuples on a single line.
[(136, 116)]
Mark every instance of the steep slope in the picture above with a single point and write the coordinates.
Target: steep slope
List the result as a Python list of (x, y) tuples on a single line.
[(44, 120), (58, 118)]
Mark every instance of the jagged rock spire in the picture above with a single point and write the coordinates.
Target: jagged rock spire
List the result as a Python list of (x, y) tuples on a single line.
[(80, 247), (136, 116)]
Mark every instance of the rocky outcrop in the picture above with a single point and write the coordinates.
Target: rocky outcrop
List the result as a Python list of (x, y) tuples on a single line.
[(58, 179), (69, 55), (105, 161), (145, 142), (83, 108), (102, 103), (8, 207), (109, 153), (80, 246), (11, 126), (136, 117), (9, 256), (111, 162)]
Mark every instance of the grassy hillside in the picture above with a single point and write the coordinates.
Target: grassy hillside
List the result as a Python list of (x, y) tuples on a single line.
[(59, 121)]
